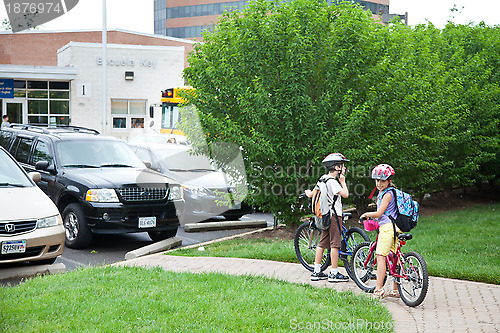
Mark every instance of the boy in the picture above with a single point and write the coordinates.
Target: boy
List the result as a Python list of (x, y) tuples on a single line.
[(331, 238), (5, 121)]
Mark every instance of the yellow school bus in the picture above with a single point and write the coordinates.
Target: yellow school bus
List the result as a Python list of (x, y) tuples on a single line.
[(170, 116)]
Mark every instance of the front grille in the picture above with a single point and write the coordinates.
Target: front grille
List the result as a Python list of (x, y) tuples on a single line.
[(16, 227), (138, 194)]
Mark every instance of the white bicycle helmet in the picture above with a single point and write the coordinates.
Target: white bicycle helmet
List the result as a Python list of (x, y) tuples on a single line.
[(334, 159)]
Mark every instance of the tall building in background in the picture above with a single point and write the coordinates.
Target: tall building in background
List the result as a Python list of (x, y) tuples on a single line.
[(188, 18)]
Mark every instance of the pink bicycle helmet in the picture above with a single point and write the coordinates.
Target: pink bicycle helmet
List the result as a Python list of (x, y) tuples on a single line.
[(334, 159), (383, 172)]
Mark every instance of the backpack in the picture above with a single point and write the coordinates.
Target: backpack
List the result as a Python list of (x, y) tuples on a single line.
[(320, 206), (407, 209)]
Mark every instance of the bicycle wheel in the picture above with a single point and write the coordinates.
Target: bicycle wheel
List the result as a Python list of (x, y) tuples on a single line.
[(365, 277), (413, 288), (353, 236), (306, 242)]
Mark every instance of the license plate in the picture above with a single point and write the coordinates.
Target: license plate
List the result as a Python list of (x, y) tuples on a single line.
[(14, 247), (147, 222)]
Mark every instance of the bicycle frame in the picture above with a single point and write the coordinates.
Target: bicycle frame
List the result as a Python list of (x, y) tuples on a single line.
[(397, 259), (343, 231)]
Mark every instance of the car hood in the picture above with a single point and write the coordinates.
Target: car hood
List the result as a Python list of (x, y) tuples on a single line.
[(25, 203), (207, 179), (117, 177)]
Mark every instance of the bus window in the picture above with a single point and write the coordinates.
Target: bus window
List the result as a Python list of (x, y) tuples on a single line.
[(170, 116)]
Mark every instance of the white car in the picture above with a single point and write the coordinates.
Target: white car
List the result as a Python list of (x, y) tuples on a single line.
[(31, 228)]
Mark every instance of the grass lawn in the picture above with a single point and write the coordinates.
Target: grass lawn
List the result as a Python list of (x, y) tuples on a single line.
[(460, 244), (111, 299)]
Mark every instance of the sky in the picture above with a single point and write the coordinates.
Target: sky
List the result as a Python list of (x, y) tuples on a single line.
[(137, 15)]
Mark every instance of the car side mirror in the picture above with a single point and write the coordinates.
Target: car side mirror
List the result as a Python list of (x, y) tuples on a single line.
[(35, 176), (45, 166), (151, 111), (147, 164), (42, 165)]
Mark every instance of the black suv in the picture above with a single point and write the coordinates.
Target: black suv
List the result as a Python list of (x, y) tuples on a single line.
[(99, 185)]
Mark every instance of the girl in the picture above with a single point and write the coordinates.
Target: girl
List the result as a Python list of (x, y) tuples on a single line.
[(386, 206)]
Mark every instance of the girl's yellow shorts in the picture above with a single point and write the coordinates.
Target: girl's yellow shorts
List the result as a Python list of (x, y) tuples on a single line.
[(386, 241)]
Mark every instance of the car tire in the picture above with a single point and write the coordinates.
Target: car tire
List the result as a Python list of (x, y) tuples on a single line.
[(77, 232), (157, 236)]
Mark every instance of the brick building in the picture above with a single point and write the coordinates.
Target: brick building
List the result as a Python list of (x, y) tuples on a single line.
[(56, 77)]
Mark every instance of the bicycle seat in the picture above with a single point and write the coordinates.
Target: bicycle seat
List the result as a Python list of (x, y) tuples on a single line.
[(405, 237), (346, 216)]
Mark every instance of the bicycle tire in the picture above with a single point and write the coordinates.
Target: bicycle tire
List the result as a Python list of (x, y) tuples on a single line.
[(365, 278), (353, 236), (305, 242), (418, 279)]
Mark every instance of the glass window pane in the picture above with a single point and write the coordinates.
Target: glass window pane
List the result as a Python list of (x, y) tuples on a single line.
[(38, 120), (137, 122), (19, 84), (38, 94), (119, 122), (59, 85), (59, 107), (19, 93), (38, 107), (41, 153), (138, 107), (59, 94), (23, 150), (59, 120), (37, 84), (119, 107)]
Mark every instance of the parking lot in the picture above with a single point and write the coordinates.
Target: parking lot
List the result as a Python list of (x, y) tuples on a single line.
[(107, 249)]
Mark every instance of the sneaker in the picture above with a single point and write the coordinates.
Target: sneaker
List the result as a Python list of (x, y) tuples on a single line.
[(318, 276), (339, 277)]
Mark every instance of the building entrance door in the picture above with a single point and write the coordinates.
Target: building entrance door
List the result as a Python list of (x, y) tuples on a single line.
[(16, 109)]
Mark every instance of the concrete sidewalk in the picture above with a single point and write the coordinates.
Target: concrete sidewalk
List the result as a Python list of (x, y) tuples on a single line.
[(450, 305)]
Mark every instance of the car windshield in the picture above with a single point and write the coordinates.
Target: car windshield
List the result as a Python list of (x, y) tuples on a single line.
[(97, 154), (11, 175), (183, 160)]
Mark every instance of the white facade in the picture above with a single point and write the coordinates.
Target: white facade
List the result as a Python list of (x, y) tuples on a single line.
[(154, 68)]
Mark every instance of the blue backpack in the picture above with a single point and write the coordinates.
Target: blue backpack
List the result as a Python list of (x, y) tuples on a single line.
[(407, 208)]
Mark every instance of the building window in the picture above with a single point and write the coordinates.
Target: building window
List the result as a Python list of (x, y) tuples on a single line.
[(48, 101), (128, 113)]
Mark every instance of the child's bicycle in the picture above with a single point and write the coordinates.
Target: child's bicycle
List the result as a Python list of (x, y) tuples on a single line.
[(307, 239), (408, 270)]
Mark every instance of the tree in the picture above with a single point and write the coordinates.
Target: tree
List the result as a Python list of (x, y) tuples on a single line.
[(270, 77)]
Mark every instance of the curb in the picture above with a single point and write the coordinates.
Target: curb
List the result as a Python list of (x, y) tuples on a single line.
[(24, 272), (160, 246), (226, 225), (228, 238)]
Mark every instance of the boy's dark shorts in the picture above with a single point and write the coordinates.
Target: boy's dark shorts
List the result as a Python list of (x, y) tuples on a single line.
[(330, 238)]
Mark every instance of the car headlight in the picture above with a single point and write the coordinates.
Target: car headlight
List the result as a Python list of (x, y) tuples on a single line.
[(49, 221), (175, 192), (196, 190), (102, 195)]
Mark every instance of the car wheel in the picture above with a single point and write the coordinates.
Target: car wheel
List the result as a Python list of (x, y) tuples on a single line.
[(157, 236), (78, 234)]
